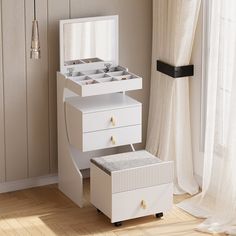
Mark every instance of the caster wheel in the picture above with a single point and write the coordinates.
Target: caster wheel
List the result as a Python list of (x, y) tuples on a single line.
[(98, 211), (118, 224), (159, 215)]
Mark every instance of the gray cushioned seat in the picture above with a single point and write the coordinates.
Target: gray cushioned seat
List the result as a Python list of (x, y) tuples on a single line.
[(124, 161)]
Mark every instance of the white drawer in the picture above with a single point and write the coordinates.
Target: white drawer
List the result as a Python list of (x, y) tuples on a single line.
[(112, 138), (112, 119), (141, 202), (88, 121)]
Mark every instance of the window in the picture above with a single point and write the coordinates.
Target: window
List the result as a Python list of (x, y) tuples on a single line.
[(226, 24)]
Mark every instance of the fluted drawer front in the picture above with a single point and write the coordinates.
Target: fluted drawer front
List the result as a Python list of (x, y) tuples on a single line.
[(112, 119), (141, 202), (147, 176), (112, 138)]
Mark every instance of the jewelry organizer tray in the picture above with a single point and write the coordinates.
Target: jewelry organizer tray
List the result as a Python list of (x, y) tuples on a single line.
[(89, 58), (101, 81)]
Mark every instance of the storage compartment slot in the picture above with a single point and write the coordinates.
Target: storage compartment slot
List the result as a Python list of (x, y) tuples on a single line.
[(88, 82), (91, 60), (116, 69), (99, 76), (118, 73), (74, 74), (105, 79), (79, 78), (125, 77), (74, 62), (91, 72)]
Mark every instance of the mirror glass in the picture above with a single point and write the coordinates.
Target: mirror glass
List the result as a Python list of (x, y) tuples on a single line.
[(90, 41)]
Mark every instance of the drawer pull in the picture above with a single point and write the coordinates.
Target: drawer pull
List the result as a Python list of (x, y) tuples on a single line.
[(113, 121), (113, 140), (143, 204)]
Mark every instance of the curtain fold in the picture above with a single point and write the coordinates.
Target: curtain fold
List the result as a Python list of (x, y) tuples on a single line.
[(169, 131), (217, 202)]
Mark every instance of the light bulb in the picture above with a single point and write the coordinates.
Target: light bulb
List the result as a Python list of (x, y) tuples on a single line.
[(35, 45)]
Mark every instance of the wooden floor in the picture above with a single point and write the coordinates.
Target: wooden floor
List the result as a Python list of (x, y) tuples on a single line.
[(46, 211)]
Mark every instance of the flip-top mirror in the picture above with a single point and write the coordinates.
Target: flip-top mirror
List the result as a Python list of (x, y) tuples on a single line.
[(88, 43)]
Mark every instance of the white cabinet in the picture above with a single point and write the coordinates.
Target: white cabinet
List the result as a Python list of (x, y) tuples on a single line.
[(101, 122), (94, 114), (124, 187)]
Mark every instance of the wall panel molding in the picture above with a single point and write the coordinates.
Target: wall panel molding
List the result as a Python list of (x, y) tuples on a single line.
[(28, 113), (56, 12), (14, 88), (37, 93), (28, 183), (2, 131)]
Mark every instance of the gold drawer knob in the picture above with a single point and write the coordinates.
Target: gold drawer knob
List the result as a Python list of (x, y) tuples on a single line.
[(113, 121), (113, 140), (143, 204)]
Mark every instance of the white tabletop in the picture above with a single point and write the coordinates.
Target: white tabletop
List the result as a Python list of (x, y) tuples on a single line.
[(102, 102)]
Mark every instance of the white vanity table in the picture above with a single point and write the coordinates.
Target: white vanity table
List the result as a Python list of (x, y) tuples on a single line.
[(95, 115), (93, 111)]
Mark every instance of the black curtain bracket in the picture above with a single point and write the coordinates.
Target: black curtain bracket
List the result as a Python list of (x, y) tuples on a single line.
[(175, 71)]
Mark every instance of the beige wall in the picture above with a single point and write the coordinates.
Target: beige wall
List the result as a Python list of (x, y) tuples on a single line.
[(28, 88)]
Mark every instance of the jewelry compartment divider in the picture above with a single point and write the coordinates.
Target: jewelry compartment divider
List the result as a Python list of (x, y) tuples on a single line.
[(117, 68), (122, 75), (92, 72), (73, 62), (91, 60), (74, 74)]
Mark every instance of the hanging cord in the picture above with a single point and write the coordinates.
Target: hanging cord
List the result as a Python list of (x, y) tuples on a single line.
[(69, 9), (34, 9)]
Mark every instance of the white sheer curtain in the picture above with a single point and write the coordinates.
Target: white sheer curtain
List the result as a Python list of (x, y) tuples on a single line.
[(217, 202), (169, 132)]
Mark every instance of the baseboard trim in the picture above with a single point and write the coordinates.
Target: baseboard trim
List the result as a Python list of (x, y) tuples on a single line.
[(28, 183)]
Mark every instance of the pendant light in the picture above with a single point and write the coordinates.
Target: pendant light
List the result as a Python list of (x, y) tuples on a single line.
[(35, 45)]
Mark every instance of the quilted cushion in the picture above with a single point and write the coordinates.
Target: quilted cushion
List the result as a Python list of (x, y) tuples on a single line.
[(124, 161)]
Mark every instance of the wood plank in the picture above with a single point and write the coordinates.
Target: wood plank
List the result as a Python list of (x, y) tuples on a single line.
[(56, 12), (2, 132), (14, 88), (24, 222), (37, 93), (46, 211), (6, 228), (2, 232), (18, 228)]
